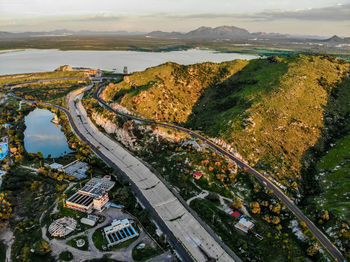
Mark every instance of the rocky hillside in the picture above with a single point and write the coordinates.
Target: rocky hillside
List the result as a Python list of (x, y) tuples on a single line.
[(170, 91), (272, 111)]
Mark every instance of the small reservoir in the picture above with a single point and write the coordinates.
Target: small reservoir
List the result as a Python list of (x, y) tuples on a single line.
[(41, 135)]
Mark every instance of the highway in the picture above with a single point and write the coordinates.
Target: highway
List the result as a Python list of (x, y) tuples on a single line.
[(335, 253), (327, 244), (185, 230), (173, 213)]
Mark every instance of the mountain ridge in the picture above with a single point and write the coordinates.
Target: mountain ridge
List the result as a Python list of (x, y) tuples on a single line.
[(203, 32)]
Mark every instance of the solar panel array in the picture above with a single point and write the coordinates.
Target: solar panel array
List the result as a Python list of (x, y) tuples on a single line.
[(81, 199), (121, 235)]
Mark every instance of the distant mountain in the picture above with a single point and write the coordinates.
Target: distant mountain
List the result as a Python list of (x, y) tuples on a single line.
[(337, 39), (161, 34), (221, 32), (203, 32), (226, 32)]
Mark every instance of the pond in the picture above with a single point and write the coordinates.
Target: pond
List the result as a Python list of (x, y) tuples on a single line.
[(41, 135), (28, 61)]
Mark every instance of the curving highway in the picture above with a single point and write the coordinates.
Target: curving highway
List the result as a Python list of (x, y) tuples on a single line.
[(187, 233), (327, 244), (183, 251)]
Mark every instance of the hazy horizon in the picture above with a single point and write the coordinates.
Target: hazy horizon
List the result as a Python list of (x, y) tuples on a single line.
[(303, 17)]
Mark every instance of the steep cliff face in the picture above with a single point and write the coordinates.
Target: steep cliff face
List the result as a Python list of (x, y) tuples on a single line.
[(125, 134), (122, 134)]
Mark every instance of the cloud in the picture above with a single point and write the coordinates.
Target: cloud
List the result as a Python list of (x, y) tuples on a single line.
[(99, 18), (332, 13)]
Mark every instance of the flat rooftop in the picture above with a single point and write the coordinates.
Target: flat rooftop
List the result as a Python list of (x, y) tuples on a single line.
[(81, 199), (97, 186)]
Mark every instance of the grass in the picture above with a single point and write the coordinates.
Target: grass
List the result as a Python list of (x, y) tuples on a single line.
[(50, 91), (140, 43), (279, 113), (282, 247), (334, 178), (66, 256), (270, 110), (99, 240), (170, 90), (3, 248), (73, 243), (20, 78), (146, 253)]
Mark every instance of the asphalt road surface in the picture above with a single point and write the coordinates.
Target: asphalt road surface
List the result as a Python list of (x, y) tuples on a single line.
[(182, 225)]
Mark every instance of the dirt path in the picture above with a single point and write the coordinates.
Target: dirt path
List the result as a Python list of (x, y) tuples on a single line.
[(7, 237), (201, 195)]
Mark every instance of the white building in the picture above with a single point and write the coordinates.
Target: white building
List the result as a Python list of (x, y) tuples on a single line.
[(119, 231), (90, 220), (244, 225)]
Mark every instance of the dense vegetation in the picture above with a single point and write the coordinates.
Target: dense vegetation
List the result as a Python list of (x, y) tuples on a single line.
[(140, 43), (270, 110), (288, 116), (21, 78), (48, 91)]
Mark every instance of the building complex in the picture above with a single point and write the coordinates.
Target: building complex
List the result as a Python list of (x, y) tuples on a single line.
[(94, 195)]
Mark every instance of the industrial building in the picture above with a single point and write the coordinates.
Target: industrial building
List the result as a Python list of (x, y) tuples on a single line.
[(62, 227), (76, 169), (89, 220), (119, 231), (94, 195)]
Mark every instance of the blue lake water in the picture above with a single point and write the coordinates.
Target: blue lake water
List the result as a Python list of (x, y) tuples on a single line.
[(32, 60), (3, 151), (41, 135)]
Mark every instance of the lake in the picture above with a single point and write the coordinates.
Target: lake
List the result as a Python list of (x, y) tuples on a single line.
[(33, 60), (41, 135)]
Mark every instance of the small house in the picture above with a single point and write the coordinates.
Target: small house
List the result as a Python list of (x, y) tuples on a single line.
[(236, 214), (197, 175)]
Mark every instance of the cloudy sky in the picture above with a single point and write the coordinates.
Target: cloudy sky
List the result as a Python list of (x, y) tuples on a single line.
[(313, 17)]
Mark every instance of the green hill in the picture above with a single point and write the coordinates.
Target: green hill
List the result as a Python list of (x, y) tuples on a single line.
[(168, 92), (272, 111)]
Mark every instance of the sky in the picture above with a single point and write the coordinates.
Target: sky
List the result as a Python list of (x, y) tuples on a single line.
[(305, 17)]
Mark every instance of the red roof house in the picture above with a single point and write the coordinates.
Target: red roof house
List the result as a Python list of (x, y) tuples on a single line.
[(236, 214), (197, 175)]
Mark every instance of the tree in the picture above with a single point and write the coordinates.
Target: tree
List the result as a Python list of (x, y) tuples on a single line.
[(276, 220), (5, 207), (312, 250), (279, 227), (325, 215), (276, 208), (255, 207), (237, 202), (42, 247)]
